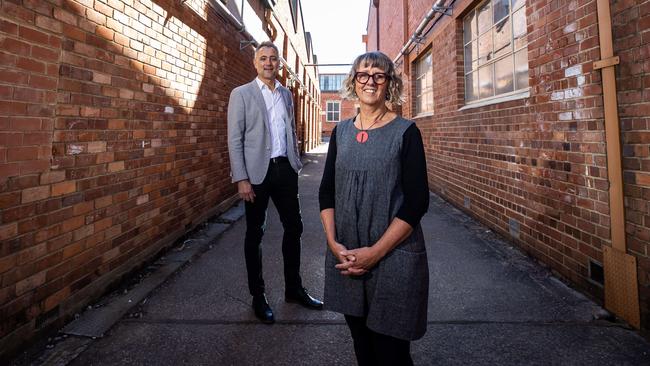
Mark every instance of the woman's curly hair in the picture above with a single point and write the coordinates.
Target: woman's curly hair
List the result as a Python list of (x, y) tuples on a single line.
[(381, 61)]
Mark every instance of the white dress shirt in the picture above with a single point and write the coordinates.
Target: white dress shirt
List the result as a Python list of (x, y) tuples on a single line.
[(275, 111)]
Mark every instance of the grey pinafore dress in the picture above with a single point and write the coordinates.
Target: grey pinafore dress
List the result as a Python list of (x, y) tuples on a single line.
[(394, 294)]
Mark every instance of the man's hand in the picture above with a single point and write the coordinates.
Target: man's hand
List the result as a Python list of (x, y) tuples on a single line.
[(245, 190)]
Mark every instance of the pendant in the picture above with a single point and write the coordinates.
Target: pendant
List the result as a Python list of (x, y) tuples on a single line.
[(362, 137)]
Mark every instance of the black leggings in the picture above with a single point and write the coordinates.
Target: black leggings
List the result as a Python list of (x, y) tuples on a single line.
[(373, 348)]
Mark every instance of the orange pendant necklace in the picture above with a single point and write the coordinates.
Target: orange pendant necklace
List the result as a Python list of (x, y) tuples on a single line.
[(362, 135)]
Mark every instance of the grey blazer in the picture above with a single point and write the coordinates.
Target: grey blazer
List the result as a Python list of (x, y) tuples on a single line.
[(249, 136)]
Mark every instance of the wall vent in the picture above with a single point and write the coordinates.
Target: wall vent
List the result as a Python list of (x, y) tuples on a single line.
[(596, 273), (467, 203)]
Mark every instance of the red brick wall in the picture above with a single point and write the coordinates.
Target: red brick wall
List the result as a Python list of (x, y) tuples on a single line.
[(540, 162), (371, 43), (348, 110), (112, 143)]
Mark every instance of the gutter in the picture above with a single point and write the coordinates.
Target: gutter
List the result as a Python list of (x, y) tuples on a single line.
[(241, 28)]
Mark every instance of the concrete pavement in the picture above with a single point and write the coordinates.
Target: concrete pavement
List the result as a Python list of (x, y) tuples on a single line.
[(489, 305)]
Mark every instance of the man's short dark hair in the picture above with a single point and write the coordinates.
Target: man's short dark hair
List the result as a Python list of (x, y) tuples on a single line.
[(267, 44)]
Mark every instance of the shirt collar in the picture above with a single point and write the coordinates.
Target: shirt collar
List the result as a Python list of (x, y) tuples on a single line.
[(261, 84)]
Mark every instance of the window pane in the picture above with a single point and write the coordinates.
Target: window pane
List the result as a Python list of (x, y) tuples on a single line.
[(484, 17), (519, 28), (471, 87), (517, 3), (502, 38), (503, 75), (486, 85), (471, 54), (521, 69), (469, 27), (485, 48), (501, 9)]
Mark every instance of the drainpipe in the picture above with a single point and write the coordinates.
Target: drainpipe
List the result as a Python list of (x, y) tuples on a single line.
[(437, 7), (621, 281), (377, 24)]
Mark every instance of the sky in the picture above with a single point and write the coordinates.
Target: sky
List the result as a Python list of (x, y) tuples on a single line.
[(336, 27)]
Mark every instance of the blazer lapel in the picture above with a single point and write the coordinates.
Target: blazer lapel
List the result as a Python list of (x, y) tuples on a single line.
[(259, 101)]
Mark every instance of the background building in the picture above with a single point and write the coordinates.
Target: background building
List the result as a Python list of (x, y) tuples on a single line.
[(113, 136), (514, 104), (334, 108)]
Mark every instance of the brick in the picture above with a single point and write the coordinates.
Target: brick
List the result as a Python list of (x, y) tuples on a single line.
[(55, 299), (35, 194), (37, 138), (18, 12), (14, 77), (103, 224), (26, 124), (30, 283), (9, 170), (63, 188), (15, 46), (7, 262), (30, 254), (116, 166), (643, 179), (8, 27), (103, 202), (13, 108), (49, 24), (42, 82), (96, 146), (22, 153), (28, 95), (34, 35), (8, 231), (9, 199), (45, 54), (83, 232), (34, 166), (52, 177), (72, 224)]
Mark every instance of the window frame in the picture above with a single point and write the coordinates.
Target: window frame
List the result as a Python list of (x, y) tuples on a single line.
[(475, 65), (418, 75), (334, 112)]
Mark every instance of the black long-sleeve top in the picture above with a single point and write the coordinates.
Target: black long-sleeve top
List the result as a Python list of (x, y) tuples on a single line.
[(414, 177)]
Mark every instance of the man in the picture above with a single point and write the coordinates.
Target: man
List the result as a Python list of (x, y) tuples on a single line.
[(265, 162)]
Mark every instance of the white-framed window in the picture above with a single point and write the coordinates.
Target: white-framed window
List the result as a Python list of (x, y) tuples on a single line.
[(495, 50), (331, 82), (333, 111), (423, 84)]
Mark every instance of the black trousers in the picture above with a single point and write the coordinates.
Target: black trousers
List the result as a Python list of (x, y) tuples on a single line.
[(372, 348), (280, 185)]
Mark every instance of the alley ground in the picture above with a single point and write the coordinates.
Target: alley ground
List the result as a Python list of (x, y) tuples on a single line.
[(489, 305)]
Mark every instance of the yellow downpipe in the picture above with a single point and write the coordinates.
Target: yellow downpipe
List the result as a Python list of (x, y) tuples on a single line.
[(612, 130), (621, 281)]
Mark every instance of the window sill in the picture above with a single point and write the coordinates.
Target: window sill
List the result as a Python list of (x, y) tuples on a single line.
[(423, 115), (525, 93)]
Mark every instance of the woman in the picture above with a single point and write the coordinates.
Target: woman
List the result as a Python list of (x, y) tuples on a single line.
[(372, 196)]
